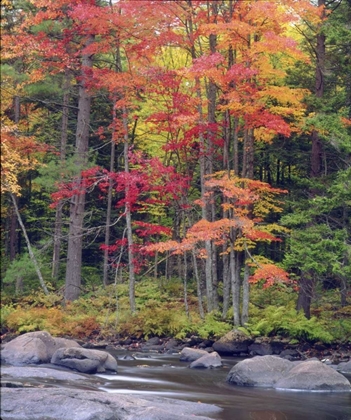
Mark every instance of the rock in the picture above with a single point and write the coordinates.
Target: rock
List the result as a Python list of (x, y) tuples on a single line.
[(33, 348), (40, 372), (189, 355), (260, 349), (70, 404), (344, 367), (207, 361), (261, 371), (289, 354), (24, 376), (275, 372), (85, 360), (172, 344), (313, 375), (234, 342)]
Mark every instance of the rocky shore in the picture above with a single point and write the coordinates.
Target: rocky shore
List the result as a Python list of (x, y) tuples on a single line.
[(65, 365), (236, 344)]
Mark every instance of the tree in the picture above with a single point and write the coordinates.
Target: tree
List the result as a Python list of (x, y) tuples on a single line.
[(248, 203)]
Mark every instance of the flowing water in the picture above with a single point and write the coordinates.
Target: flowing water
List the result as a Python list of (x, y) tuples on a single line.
[(165, 375)]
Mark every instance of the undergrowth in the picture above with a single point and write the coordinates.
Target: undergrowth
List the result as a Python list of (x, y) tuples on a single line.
[(104, 313)]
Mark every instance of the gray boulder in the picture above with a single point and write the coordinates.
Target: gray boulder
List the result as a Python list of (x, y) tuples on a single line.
[(70, 404), (25, 376), (260, 349), (189, 355), (344, 367), (275, 372), (261, 371), (207, 361), (33, 348), (85, 360), (313, 375), (234, 342)]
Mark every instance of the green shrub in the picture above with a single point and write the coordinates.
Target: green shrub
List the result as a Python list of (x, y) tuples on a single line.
[(286, 321)]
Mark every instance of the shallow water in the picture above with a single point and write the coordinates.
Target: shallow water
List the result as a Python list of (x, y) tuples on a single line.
[(165, 375)]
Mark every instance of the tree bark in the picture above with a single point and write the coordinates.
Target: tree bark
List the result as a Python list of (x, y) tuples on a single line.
[(75, 236)]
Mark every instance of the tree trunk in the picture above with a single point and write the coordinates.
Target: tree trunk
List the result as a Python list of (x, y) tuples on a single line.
[(131, 265), (235, 283), (63, 146), (306, 289), (198, 287), (248, 156), (246, 295), (29, 246), (109, 201), (75, 236), (316, 151), (306, 285)]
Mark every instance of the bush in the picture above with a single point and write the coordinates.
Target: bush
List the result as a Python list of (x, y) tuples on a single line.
[(286, 321)]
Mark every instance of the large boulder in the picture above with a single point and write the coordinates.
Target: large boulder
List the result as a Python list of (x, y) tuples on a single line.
[(207, 361), (261, 371), (71, 404), (85, 360), (234, 342), (189, 355), (33, 348), (275, 372), (313, 375)]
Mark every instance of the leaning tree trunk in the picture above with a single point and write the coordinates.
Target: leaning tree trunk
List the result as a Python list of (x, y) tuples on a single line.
[(75, 235), (29, 246)]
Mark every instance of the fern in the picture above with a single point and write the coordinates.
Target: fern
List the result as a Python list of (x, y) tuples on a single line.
[(290, 323)]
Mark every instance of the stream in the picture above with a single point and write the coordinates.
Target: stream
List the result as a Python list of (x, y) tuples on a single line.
[(164, 375)]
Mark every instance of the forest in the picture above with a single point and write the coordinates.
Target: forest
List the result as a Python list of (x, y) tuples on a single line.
[(176, 167)]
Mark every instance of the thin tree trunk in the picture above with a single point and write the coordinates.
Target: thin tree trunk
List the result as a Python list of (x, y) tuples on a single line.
[(226, 282), (63, 146), (246, 295), (29, 246), (108, 217), (235, 283), (131, 264), (75, 236), (248, 156), (109, 199), (185, 284), (198, 287), (316, 151)]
